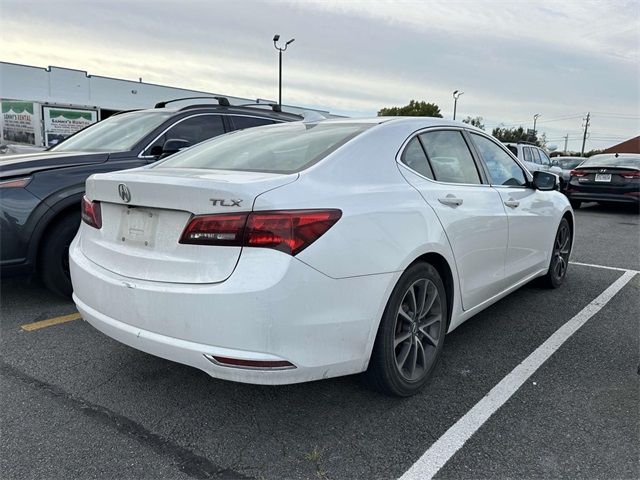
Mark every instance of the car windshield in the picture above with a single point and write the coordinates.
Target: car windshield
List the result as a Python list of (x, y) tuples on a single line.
[(613, 161), (118, 133), (285, 148), (568, 163)]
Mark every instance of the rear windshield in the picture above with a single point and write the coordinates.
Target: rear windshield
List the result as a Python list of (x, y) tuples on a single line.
[(285, 148), (568, 163), (613, 161)]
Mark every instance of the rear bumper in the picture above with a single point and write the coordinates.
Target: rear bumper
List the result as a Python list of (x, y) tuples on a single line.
[(274, 307), (604, 197)]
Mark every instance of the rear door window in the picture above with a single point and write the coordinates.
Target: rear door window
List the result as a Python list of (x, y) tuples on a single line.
[(240, 122), (449, 157), (194, 130), (415, 158), (527, 154), (536, 156)]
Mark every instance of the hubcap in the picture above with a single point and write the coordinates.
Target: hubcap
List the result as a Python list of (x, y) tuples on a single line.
[(561, 249), (418, 329)]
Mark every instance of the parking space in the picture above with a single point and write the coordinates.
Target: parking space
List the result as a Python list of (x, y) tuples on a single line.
[(77, 404)]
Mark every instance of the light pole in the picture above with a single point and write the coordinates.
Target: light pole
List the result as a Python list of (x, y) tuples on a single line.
[(535, 119), (280, 50), (456, 95)]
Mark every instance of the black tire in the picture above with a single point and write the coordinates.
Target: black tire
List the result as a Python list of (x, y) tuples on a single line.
[(53, 260), (575, 204), (426, 329), (560, 253)]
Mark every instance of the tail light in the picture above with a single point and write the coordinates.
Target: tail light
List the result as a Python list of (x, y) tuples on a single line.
[(15, 183), (630, 174), (91, 213), (578, 173), (289, 231)]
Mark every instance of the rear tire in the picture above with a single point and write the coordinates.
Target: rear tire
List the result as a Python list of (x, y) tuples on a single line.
[(54, 254), (575, 204), (411, 333), (559, 256)]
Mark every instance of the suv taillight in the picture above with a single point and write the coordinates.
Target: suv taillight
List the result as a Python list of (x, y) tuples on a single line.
[(289, 231), (91, 214)]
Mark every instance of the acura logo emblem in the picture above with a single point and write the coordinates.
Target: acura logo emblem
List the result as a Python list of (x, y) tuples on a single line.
[(124, 193)]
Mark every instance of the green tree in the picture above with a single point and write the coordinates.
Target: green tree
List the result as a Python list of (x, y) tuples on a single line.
[(514, 135), (414, 109), (476, 122)]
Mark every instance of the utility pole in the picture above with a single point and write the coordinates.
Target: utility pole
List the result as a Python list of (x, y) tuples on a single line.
[(586, 128), (566, 140)]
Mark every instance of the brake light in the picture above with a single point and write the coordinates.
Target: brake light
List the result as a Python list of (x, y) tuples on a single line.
[(289, 231), (578, 173), (630, 174), (91, 213), (224, 230)]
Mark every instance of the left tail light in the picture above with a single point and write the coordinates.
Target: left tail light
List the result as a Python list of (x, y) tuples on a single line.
[(578, 173), (91, 213), (289, 231)]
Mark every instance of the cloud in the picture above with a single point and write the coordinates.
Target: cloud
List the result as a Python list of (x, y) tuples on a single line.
[(512, 59)]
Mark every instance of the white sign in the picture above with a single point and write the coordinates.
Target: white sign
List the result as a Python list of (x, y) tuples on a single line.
[(60, 123)]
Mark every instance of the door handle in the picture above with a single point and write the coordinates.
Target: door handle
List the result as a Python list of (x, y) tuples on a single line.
[(512, 203), (451, 201)]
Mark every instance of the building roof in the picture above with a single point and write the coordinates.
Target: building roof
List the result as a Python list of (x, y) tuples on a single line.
[(629, 146)]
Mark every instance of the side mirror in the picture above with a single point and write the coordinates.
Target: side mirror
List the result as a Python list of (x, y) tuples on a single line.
[(174, 145), (544, 180)]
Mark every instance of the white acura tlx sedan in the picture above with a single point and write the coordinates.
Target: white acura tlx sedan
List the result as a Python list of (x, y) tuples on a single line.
[(309, 250)]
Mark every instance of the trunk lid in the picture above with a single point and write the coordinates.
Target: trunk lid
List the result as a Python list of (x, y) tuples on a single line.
[(139, 238)]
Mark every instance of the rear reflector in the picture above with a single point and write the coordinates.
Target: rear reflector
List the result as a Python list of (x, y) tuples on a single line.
[(289, 231), (91, 213), (264, 364)]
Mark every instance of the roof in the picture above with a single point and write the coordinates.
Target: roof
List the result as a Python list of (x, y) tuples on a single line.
[(266, 112), (629, 146)]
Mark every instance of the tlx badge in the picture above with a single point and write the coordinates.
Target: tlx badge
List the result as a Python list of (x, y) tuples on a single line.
[(222, 202)]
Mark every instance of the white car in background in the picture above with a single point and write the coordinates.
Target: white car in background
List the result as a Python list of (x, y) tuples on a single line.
[(567, 164), (310, 250), (534, 158)]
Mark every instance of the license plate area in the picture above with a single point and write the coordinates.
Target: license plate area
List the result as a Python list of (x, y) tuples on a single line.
[(138, 226), (603, 177)]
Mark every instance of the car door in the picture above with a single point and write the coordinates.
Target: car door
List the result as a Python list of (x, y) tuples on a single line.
[(545, 161), (530, 212), (441, 167)]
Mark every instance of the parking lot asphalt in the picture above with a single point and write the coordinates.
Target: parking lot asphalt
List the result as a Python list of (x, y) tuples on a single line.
[(76, 404)]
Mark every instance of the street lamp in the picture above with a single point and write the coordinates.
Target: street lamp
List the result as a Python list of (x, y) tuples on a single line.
[(535, 119), (280, 50), (456, 95)]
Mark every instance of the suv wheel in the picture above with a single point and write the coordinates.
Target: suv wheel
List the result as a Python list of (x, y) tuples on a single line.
[(54, 254)]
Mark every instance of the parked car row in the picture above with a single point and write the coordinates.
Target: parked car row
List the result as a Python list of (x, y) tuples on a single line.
[(297, 250), (41, 192)]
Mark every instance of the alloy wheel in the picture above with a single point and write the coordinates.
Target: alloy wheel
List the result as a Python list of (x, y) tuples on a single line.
[(561, 250), (418, 330)]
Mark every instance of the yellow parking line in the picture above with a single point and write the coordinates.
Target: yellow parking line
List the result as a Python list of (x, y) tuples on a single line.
[(29, 327)]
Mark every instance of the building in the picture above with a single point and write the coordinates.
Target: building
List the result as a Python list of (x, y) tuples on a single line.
[(629, 146), (41, 106)]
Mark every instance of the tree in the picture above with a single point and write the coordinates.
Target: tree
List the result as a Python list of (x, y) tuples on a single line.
[(476, 122), (514, 135), (414, 109)]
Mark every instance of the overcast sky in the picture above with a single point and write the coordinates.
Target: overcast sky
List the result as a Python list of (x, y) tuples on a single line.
[(511, 58)]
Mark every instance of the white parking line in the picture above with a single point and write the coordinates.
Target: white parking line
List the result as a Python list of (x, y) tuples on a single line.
[(453, 439), (604, 266)]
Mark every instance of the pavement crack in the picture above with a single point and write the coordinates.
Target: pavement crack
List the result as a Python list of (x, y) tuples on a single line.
[(188, 462)]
